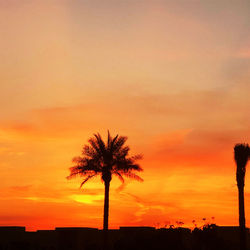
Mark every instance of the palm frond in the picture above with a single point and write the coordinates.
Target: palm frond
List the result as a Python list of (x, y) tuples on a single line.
[(93, 142), (89, 177), (122, 152), (109, 140), (100, 143), (133, 176), (78, 159), (127, 164), (135, 167), (241, 156), (89, 151), (136, 157), (111, 148), (117, 145), (119, 176), (74, 172), (241, 153), (83, 167)]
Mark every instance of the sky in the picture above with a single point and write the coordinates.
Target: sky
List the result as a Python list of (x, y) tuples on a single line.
[(173, 76)]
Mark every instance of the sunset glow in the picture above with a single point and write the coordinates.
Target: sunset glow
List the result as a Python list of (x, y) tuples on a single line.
[(173, 77)]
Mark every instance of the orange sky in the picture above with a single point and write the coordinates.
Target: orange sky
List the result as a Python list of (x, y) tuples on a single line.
[(171, 75)]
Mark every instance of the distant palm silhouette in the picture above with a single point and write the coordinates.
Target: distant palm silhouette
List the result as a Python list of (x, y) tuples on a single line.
[(106, 159), (241, 155)]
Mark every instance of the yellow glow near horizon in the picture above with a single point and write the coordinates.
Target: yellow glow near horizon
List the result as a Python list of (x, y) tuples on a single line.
[(88, 199)]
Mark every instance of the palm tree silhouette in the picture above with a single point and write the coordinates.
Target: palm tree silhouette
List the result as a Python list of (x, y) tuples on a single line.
[(106, 159), (241, 155)]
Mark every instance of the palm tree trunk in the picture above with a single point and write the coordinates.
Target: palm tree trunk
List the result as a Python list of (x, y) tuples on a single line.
[(106, 215), (106, 207), (242, 228)]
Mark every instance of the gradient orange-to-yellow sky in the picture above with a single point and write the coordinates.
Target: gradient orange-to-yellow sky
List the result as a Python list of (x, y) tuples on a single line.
[(173, 76)]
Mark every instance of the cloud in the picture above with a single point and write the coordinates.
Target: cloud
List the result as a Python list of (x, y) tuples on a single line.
[(23, 188), (141, 111), (192, 128), (205, 149), (48, 194), (244, 53)]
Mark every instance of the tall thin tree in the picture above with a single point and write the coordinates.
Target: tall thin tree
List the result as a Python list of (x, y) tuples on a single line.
[(241, 156), (106, 159)]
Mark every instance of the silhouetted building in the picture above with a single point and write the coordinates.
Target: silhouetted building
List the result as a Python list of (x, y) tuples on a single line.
[(210, 237), (77, 238)]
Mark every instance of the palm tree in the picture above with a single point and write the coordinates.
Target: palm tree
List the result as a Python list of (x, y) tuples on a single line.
[(241, 155), (105, 159)]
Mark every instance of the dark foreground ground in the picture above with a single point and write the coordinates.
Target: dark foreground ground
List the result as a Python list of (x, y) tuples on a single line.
[(210, 237)]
